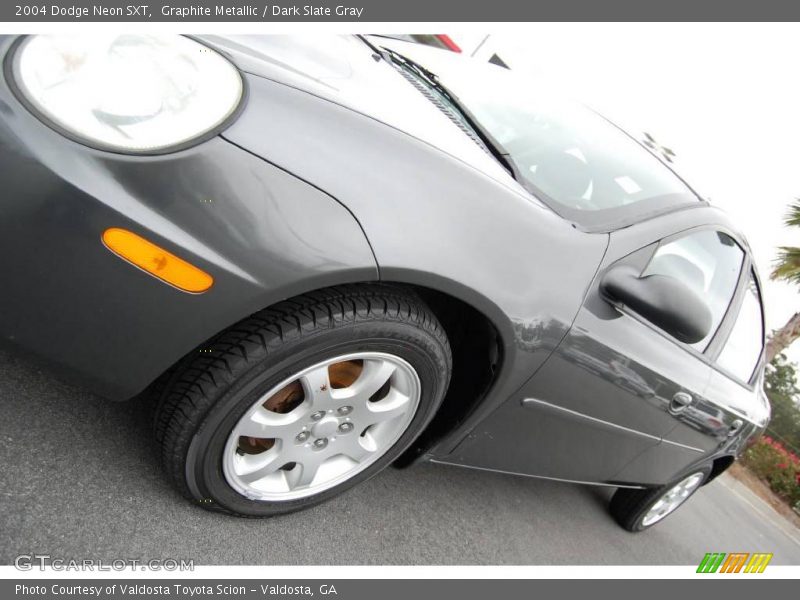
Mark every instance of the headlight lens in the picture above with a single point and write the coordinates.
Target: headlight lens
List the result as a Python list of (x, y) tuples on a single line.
[(131, 93)]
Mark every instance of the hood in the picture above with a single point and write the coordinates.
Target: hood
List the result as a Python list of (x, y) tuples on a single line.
[(343, 69)]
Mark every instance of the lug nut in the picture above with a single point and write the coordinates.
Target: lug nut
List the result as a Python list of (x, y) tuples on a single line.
[(318, 415), (302, 436), (346, 427), (345, 410), (320, 443)]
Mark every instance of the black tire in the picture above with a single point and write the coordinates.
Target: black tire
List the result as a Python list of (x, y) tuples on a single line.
[(629, 506), (199, 401)]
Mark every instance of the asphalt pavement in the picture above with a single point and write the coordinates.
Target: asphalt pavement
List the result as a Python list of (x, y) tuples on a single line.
[(79, 480)]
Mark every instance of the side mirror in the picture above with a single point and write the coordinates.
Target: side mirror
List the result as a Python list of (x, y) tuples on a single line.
[(666, 302)]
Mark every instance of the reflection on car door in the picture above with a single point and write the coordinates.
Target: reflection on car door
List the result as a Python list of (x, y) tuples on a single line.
[(732, 402), (616, 385), (711, 263)]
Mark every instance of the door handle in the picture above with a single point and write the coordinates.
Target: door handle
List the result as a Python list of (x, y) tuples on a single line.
[(680, 402), (735, 426)]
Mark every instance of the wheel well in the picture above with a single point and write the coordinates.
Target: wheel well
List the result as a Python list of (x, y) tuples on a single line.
[(719, 466), (476, 359), (475, 347)]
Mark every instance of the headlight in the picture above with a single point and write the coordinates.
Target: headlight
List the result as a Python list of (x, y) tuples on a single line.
[(131, 93)]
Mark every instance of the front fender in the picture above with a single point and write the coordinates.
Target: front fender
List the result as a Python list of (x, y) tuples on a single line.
[(263, 234), (436, 221)]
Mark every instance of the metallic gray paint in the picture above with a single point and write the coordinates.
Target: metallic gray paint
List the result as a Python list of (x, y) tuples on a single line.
[(494, 265), (338, 171), (263, 234)]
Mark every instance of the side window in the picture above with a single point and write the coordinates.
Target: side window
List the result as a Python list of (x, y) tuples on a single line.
[(743, 347), (709, 262)]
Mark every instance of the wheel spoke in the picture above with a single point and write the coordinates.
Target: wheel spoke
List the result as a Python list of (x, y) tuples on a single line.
[(306, 471), (267, 425), (252, 468), (357, 450), (373, 377), (317, 386), (393, 406)]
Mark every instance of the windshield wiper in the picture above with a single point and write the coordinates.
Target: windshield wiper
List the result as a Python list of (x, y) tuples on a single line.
[(473, 127)]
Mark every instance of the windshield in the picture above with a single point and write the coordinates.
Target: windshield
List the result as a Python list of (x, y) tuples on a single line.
[(583, 166)]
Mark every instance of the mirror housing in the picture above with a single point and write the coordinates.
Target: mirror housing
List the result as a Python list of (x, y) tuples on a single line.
[(665, 301)]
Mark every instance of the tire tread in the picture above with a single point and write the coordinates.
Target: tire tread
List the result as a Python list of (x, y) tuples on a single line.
[(183, 396)]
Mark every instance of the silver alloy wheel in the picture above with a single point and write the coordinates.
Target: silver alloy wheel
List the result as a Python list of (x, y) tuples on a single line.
[(322, 426), (673, 498)]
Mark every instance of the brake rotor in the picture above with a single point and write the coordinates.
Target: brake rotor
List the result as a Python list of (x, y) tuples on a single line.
[(283, 401), (344, 374)]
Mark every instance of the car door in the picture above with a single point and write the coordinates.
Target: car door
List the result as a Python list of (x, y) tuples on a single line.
[(732, 403), (612, 389)]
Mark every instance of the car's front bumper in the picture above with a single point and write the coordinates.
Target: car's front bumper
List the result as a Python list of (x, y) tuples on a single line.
[(260, 232)]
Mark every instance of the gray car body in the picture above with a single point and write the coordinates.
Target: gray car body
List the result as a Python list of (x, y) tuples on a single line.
[(336, 170)]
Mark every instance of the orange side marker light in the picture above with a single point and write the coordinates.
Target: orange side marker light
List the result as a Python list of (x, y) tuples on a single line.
[(156, 261)]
